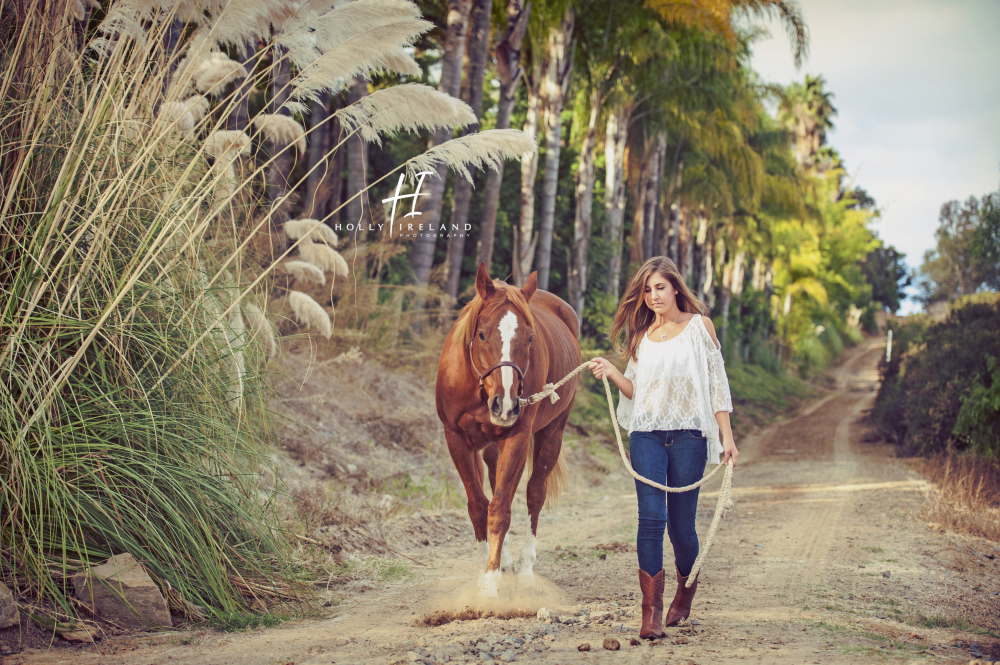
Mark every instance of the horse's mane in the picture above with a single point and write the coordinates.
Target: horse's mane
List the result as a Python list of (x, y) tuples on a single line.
[(505, 294)]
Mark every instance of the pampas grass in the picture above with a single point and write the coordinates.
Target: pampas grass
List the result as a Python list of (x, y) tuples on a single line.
[(78, 8), (260, 327), (309, 313), (312, 230), (281, 130), (187, 113), (408, 107), (179, 114), (481, 150), (214, 71), (304, 272), (197, 106), (225, 145), (323, 257), (355, 39), (381, 49), (135, 416), (236, 339)]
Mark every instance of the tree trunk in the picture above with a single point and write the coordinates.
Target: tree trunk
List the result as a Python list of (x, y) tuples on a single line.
[(338, 160), (638, 177), (472, 93), (584, 209), (702, 253), (526, 236), (171, 41), (422, 251), (357, 170), (668, 244), (732, 282), (317, 166), (706, 270), (508, 55), (685, 240), (653, 187), (281, 165), (239, 117), (757, 274), (614, 154), (557, 67)]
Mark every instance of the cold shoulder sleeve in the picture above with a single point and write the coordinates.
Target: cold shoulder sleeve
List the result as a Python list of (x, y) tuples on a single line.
[(718, 381), (624, 412)]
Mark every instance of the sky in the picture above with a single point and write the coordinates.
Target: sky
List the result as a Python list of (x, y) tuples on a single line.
[(917, 90)]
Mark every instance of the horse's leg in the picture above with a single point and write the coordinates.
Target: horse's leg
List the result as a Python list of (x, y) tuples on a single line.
[(491, 455), (471, 472), (548, 444), (510, 466)]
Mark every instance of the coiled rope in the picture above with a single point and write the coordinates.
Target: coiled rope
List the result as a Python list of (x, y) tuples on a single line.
[(722, 508)]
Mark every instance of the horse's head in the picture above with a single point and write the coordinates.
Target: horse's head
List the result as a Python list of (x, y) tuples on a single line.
[(500, 343)]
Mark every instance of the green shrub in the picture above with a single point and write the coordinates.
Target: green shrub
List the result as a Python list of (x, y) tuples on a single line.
[(978, 421), (810, 356), (832, 341), (934, 371), (761, 353)]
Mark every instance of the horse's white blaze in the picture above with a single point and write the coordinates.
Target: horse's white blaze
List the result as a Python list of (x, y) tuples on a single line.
[(488, 584), (527, 554), (508, 326), (506, 560)]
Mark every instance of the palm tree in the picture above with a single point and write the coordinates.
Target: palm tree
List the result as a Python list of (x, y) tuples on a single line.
[(422, 251), (472, 94), (557, 67), (614, 42), (357, 165), (807, 109), (509, 72)]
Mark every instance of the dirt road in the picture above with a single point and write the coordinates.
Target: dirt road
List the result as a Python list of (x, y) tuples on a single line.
[(823, 560)]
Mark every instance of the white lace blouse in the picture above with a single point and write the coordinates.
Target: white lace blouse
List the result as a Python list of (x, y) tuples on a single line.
[(680, 383)]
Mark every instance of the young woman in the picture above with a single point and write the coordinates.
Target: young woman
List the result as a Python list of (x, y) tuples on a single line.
[(674, 401)]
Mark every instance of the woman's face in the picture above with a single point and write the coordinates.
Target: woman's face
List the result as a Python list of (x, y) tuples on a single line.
[(659, 293)]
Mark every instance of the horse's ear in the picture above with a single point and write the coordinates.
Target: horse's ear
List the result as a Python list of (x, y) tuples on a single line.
[(484, 284), (530, 286)]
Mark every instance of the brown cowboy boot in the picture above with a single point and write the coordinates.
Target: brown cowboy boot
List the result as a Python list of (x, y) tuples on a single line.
[(652, 605), (680, 608)]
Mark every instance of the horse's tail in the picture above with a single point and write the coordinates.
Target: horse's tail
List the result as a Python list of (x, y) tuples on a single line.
[(556, 479)]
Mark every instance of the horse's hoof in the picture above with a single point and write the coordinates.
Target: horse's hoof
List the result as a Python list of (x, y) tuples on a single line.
[(526, 580), (488, 584)]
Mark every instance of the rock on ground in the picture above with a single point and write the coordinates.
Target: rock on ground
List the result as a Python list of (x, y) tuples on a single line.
[(123, 593), (8, 608)]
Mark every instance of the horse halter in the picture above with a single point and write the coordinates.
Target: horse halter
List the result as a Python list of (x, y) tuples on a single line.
[(503, 363)]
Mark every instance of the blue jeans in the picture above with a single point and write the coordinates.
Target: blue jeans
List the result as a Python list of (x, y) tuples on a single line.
[(679, 457)]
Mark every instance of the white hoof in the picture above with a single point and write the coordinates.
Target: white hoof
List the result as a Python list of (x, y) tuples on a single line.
[(506, 560), (528, 557), (488, 584)]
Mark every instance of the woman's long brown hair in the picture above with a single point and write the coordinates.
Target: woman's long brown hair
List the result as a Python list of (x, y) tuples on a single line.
[(634, 316)]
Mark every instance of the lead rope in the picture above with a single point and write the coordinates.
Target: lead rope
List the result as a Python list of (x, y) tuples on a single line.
[(722, 508)]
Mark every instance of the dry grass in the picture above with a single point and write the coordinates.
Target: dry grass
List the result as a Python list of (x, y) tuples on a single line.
[(967, 494)]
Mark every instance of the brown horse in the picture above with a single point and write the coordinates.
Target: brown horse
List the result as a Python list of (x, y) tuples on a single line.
[(506, 343)]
